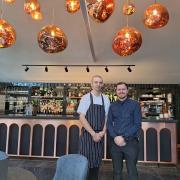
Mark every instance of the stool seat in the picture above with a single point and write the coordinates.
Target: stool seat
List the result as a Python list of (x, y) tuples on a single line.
[(71, 167), (3, 165)]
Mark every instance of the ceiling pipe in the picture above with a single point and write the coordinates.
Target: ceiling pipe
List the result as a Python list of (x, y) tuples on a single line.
[(88, 28)]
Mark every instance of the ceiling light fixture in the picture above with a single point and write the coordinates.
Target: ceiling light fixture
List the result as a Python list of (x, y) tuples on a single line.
[(26, 69), (87, 69), (106, 69), (72, 6), (7, 34), (100, 10), (31, 5), (52, 39), (156, 16), (9, 1), (46, 69), (66, 69), (129, 69), (37, 15)]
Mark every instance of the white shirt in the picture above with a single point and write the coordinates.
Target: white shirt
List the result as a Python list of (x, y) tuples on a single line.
[(86, 101)]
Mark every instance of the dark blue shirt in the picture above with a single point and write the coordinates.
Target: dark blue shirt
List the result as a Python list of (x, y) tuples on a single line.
[(124, 118)]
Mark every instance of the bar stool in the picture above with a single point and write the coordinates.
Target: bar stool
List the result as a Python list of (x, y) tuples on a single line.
[(3, 165), (71, 167)]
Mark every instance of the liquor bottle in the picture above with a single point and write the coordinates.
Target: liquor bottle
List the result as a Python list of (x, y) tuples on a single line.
[(165, 111)]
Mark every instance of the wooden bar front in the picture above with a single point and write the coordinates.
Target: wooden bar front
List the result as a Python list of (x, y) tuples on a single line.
[(52, 138)]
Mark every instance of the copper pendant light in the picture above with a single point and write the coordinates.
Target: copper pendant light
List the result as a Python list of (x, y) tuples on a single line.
[(52, 39), (156, 16), (36, 15), (7, 34), (72, 6), (100, 10), (31, 5), (128, 8), (127, 41), (9, 1)]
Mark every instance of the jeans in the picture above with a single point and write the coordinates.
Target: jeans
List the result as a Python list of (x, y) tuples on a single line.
[(129, 152)]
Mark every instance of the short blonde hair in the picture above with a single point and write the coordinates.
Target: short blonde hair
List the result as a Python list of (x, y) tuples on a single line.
[(96, 76)]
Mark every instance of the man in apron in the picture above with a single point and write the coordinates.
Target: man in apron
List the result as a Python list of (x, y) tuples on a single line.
[(93, 109)]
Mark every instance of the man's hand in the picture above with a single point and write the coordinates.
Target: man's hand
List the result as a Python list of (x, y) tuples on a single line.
[(102, 133), (119, 140), (96, 137)]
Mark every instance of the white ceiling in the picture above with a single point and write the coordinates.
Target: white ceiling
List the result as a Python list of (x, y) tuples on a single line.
[(157, 61)]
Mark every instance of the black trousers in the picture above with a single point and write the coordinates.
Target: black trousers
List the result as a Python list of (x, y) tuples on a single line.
[(130, 154), (93, 173)]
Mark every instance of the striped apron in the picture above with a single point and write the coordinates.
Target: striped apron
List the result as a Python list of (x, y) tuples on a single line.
[(93, 150)]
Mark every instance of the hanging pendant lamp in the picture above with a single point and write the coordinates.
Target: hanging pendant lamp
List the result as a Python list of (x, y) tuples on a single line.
[(7, 34), (31, 5), (100, 10), (36, 15), (127, 41), (72, 6), (128, 8), (9, 1), (156, 16), (52, 39)]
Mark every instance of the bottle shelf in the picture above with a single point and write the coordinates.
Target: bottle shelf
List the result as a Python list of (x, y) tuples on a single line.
[(46, 97), (73, 97)]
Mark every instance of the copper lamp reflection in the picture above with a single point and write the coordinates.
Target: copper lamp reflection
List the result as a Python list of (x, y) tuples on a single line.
[(128, 8), (127, 41), (52, 39), (100, 10), (9, 1), (156, 16), (72, 6), (7, 34), (31, 5), (36, 15)]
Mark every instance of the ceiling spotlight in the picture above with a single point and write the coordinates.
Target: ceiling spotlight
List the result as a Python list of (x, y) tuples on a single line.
[(129, 69), (26, 69), (106, 69), (46, 69), (87, 69), (66, 69)]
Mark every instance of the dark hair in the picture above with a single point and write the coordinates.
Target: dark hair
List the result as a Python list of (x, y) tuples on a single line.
[(120, 83)]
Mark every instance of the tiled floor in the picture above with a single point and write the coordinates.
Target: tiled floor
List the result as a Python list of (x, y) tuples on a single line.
[(45, 169)]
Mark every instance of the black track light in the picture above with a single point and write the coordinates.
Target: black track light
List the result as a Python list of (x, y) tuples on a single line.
[(129, 69), (26, 69), (66, 69), (87, 69), (86, 66), (46, 69), (106, 69)]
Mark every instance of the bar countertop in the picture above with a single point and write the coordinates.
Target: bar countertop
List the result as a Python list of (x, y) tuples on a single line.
[(72, 117)]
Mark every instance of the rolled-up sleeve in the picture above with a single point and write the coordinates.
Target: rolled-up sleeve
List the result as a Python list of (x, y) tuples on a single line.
[(110, 124)]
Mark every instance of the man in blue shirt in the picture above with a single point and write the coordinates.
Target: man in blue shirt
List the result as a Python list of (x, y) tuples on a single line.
[(124, 124)]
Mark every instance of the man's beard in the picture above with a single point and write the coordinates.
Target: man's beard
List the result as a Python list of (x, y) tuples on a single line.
[(122, 96)]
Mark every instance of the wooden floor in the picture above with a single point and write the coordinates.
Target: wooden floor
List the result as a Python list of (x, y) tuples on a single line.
[(45, 169)]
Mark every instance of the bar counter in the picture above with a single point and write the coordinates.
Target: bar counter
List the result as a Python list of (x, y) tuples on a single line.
[(53, 136)]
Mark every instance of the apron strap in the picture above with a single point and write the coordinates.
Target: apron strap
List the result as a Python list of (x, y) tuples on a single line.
[(103, 102), (91, 99)]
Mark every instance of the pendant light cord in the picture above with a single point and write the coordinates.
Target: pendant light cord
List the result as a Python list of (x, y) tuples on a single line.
[(127, 17), (1, 9), (52, 21)]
